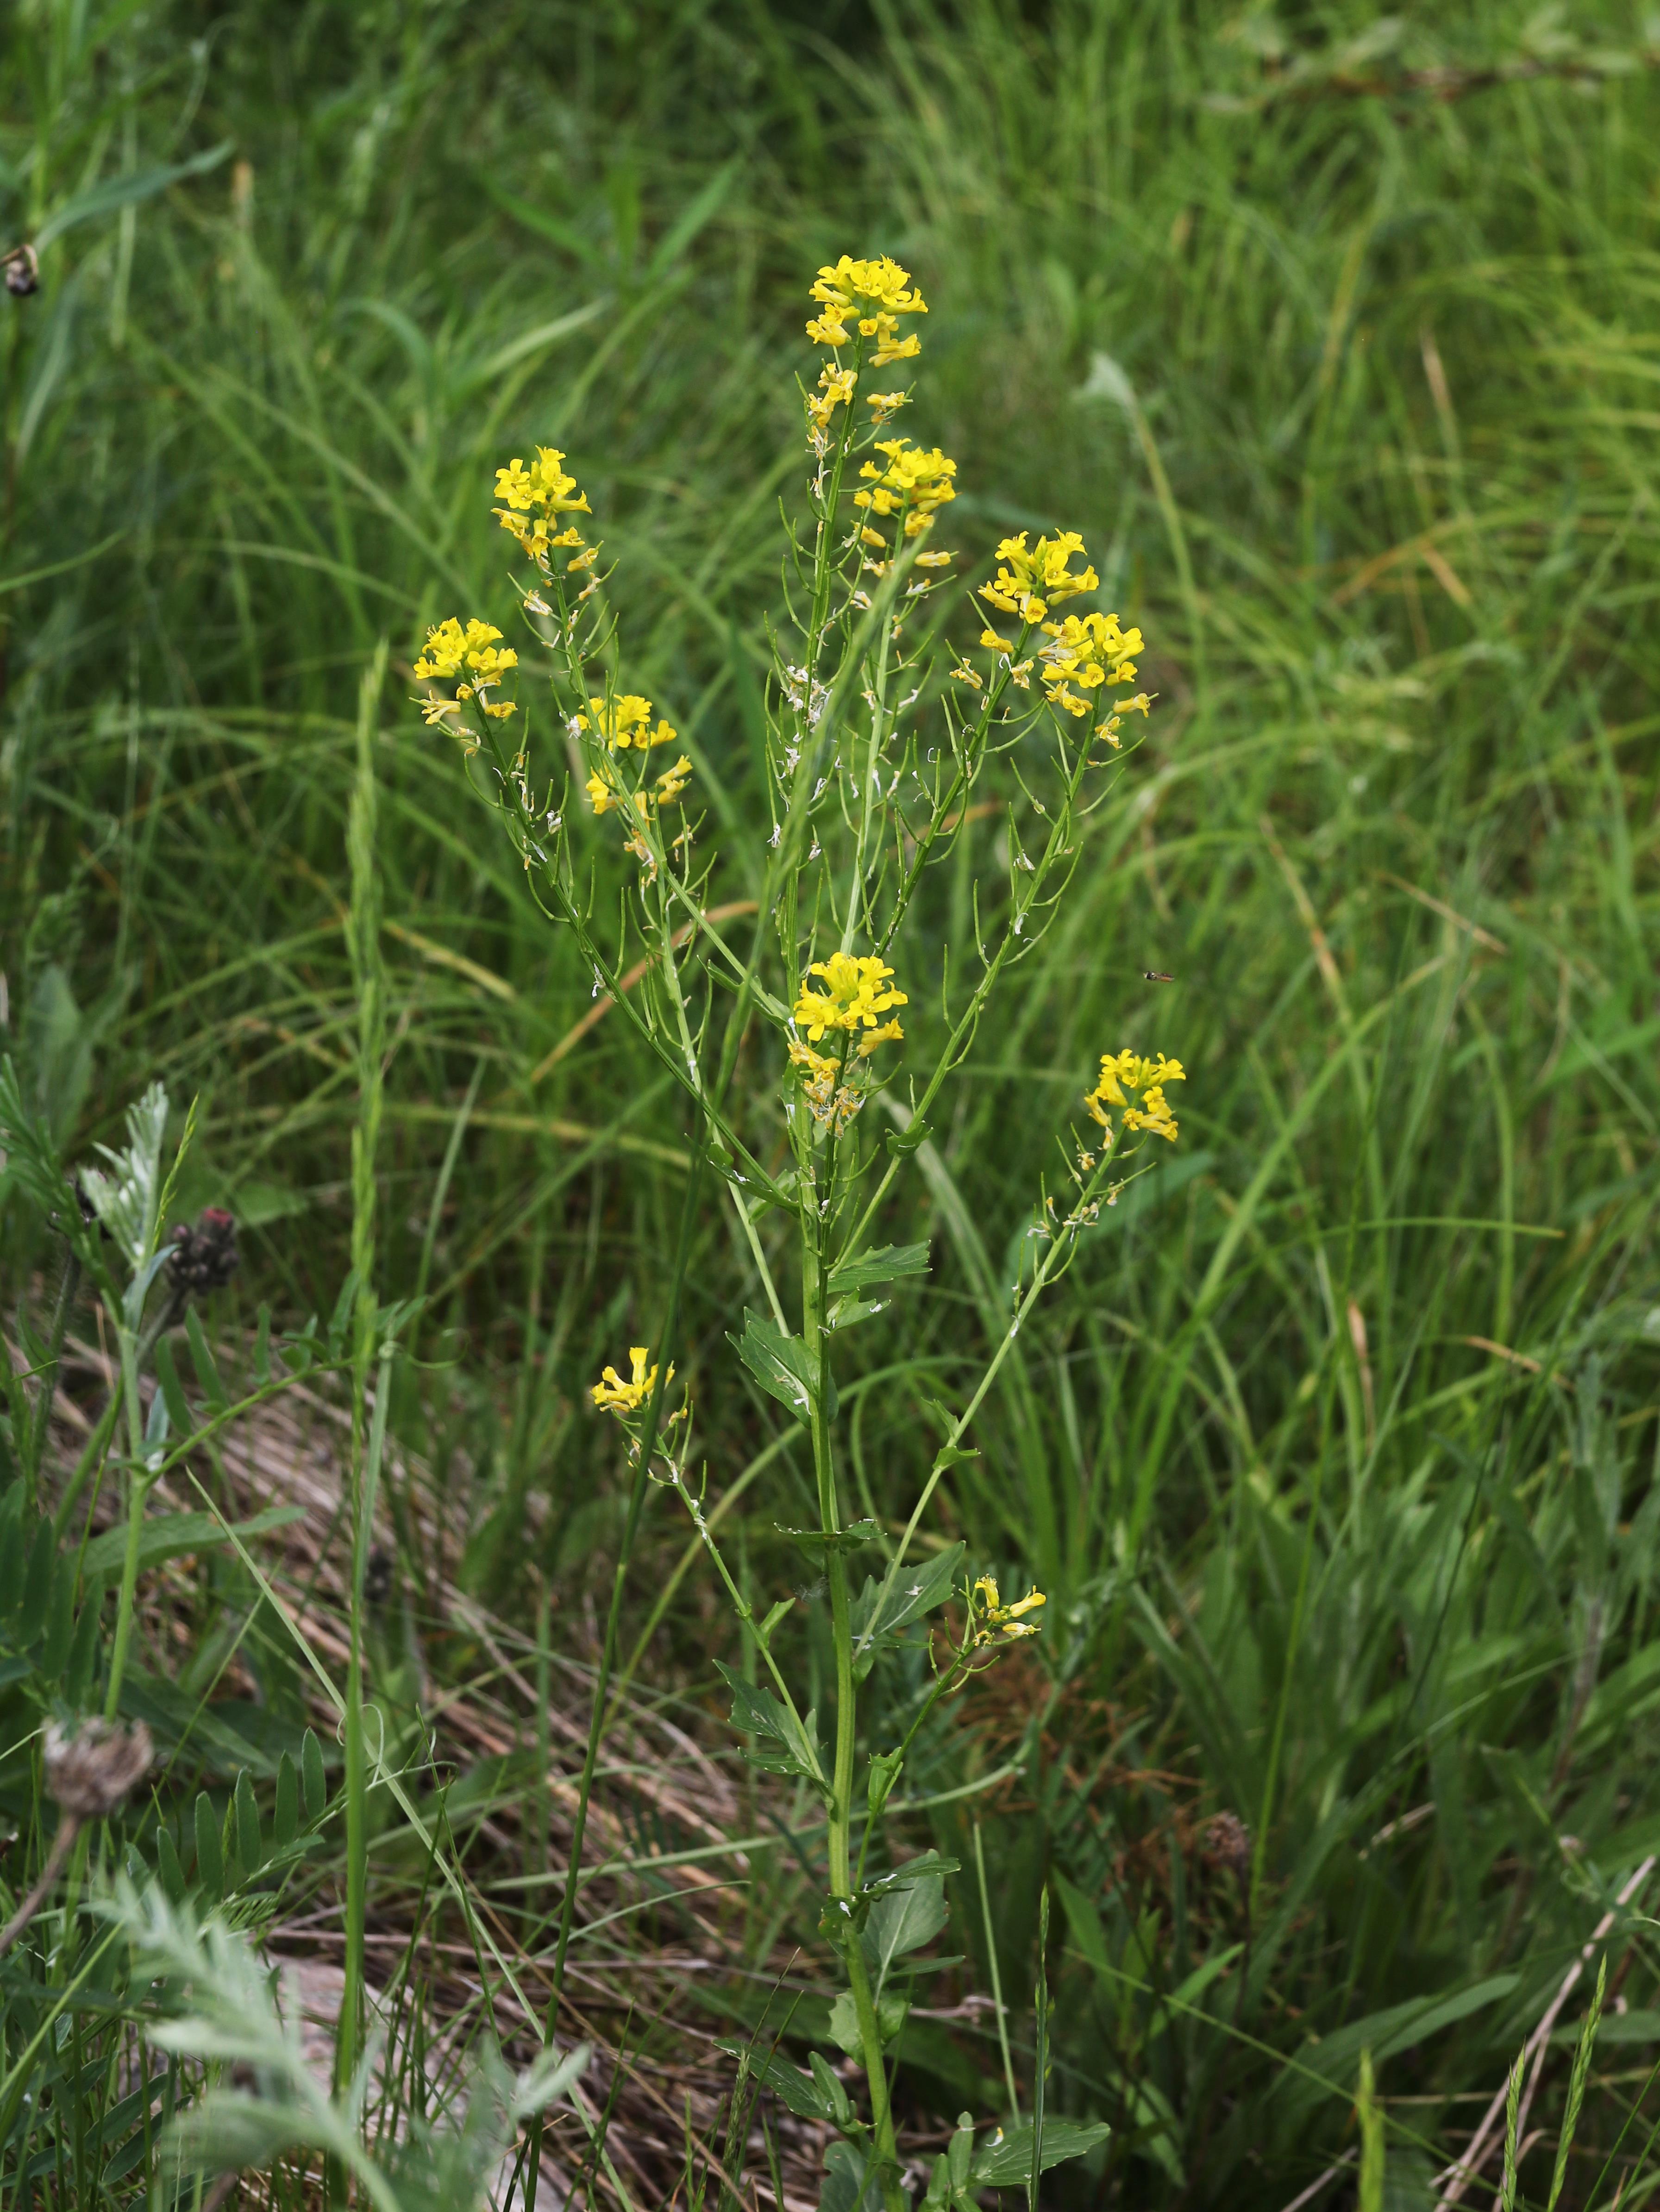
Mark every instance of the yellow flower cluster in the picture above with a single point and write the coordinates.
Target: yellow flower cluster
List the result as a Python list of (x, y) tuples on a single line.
[(871, 295), (920, 482), (1089, 650), (1125, 1076), (452, 650), (536, 497), (993, 1619), (830, 1103), (1029, 583), (624, 722), (603, 795), (835, 390), (857, 992), (614, 1396)]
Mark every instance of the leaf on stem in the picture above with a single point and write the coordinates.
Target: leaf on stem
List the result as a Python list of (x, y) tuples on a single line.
[(890, 2011), (852, 2182), (902, 1921), (800, 2092), (882, 1609), (780, 1364), (787, 1745), (128, 1199), (1006, 2159), (884, 1265), (820, 1541)]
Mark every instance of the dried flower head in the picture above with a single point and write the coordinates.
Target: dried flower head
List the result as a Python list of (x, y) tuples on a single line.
[(1227, 1840), (205, 1258), (91, 1772), (23, 270)]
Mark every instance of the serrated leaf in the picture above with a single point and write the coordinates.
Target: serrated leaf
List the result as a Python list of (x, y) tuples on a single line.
[(779, 1363), (1006, 2159), (757, 1712), (883, 1265), (798, 2092), (853, 1538), (881, 1609), (846, 1311)]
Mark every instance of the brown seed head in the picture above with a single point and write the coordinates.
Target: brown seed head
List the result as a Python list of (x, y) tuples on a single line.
[(91, 1772), (22, 267), (1227, 1840), (205, 1258)]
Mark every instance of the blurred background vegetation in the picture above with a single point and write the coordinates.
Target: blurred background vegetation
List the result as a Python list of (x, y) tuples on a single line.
[(1336, 335)]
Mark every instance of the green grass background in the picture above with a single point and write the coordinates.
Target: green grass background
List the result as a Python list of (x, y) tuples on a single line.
[(1336, 1453)]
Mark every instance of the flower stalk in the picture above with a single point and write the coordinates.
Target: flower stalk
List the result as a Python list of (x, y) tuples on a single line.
[(878, 739)]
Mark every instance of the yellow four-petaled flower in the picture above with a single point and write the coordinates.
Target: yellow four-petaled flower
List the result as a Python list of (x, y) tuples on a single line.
[(995, 1619), (614, 1396), (870, 296), (856, 993), (1126, 1077)]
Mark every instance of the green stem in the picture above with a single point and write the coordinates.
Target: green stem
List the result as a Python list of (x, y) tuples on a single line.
[(138, 1483), (996, 1981), (839, 1827)]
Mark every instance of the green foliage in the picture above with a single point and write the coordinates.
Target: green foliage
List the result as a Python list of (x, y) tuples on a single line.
[(1337, 1457)]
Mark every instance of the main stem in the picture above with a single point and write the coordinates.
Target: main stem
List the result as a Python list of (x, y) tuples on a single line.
[(138, 1482), (840, 1822)]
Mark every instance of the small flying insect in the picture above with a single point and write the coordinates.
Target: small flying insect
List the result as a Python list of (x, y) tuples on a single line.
[(1156, 976)]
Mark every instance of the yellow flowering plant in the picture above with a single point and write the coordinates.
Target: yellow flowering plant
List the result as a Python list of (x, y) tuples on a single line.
[(878, 740)]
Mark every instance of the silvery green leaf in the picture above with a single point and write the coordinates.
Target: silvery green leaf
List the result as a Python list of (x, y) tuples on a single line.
[(127, 1199), (547, 2078)]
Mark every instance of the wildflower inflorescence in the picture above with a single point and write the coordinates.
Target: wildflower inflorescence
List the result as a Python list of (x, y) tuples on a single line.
[(993, 1620), (613, 1395), (864, 794), (1135, 1087)]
